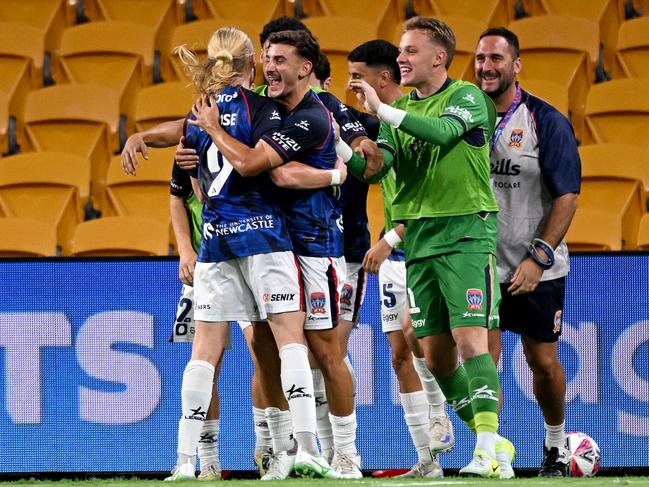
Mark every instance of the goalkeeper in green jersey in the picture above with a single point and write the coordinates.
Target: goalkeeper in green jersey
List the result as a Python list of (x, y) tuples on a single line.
[(437, 140)]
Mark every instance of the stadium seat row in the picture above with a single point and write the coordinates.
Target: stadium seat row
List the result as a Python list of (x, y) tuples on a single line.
[(53, 188), (131, 46)]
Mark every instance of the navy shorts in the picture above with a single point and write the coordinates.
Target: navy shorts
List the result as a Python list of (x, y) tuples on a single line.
[(537, 315)]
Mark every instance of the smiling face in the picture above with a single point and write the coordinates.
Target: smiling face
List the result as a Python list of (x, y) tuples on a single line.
[(418, 58), (283, 68), (495, 66), (361, 71)]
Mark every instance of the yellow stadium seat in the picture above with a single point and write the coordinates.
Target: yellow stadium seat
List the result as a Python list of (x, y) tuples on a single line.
[(617, 112), (162, 103), (118, 55), (555, 94), (337, 37), (145, 195), (568, 56), (48, 186), (25, 237), (490, 12), (594, 230), (49, 16), (195, 36), (603, 12), (619, 196), (643, 233), (82, 119), (121, 236), (257, 11), (467, 31), (160, 15), (22, 48), (4, 123), (616, 162), (633, 48)]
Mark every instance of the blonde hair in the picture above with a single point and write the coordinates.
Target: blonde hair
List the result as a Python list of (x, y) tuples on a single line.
[(438, 32), (228, 57)]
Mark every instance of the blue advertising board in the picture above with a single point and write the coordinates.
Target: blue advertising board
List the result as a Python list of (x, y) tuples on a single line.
[(89, 381)]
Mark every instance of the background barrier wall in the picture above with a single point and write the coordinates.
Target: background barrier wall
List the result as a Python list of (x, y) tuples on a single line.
[(89, 381)]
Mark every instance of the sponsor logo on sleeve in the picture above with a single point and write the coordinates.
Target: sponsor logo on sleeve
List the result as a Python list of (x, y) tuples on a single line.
[(469, 97), (275, 115), (463, 113), (303, 124), (285, 142)]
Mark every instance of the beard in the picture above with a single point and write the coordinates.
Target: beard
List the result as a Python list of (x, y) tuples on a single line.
[(502, 88)]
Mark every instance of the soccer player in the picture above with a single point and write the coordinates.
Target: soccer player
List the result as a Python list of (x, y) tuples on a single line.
[(376, 63), (313, 218), (437, 138), (537, 176), (353, 199), (245, 253)]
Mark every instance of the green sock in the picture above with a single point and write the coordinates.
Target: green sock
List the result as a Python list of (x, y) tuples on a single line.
[(456, 389), (484, 387)]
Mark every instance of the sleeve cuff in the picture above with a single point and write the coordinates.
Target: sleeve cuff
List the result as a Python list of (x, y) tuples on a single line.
[(391, 115)]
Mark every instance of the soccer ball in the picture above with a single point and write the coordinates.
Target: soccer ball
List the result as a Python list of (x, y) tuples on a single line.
[(584, 455)]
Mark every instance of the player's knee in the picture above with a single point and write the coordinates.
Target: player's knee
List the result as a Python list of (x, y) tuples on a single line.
[(400, 360), (544, 365)]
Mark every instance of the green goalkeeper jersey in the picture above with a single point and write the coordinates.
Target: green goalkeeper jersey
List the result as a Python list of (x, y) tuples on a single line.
[(444, 172)]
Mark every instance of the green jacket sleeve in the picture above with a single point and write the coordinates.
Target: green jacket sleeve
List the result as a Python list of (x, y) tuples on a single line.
[(465, 110), (356, 166)]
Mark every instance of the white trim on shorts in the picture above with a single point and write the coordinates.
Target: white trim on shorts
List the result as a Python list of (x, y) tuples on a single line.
[(352, 293), (247, 288), (323, 279), (392, 289)]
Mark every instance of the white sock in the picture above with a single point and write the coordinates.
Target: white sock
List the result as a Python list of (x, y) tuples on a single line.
[(415, 409), (263, 439), (344, 428), (281, 429), (323, 425), (555, 435), (208, 445), (198, 379), (487, 443), (297, 383), (352, 373), (434, 394)]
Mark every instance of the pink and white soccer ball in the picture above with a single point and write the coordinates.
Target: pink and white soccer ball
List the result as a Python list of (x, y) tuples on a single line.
[(584, 455)]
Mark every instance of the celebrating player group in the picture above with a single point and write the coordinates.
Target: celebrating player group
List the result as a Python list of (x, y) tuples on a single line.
[(268, 206)]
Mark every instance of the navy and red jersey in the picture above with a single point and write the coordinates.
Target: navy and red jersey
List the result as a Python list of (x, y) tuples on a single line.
[(314, 217), (241, 216), (353, 192)]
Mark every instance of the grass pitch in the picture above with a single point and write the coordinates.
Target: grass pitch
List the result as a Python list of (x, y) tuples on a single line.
[(366, 482)]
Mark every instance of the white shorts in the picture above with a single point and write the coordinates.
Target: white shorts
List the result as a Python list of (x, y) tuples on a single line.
[(323, 279), (353, 293), (184, 325), (392, 285), (184, 328), (247, 288)]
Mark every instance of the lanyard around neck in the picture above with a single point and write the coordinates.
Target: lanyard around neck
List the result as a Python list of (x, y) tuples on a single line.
[(503, 121)]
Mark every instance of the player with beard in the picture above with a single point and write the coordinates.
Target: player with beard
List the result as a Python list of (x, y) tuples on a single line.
[(537, 175)]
